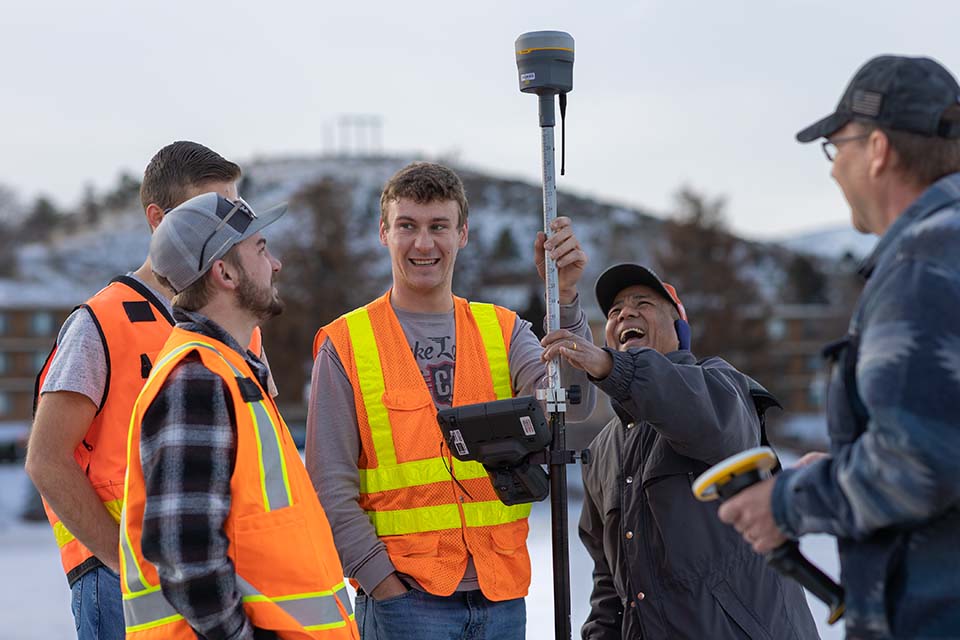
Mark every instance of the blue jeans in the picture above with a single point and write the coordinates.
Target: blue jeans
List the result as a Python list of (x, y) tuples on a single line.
[(416, 615), (97, 607)]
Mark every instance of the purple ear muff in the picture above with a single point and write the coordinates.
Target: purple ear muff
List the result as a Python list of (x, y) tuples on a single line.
[(683, 334)]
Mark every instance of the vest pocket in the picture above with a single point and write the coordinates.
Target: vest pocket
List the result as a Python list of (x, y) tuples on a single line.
[(847, 417), (738, 613), (413, 424), (509, 538), (264, 542), (414, 545), (405, 399)]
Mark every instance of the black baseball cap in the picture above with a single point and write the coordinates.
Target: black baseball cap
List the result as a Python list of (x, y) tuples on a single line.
[(897, 92), (620, 276)]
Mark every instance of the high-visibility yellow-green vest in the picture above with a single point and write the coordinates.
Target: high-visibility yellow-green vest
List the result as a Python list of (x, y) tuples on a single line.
[(430, 509)]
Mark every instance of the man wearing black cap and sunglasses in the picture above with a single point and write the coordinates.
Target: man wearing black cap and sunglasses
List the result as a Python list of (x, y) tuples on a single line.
[(664, 566), (889, 490)]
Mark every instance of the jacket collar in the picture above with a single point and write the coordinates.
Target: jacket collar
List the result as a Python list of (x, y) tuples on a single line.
[(199, 323), (941, 193)]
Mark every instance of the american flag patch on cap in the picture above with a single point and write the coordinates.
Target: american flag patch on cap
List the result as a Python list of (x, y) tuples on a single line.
[(867, 103)]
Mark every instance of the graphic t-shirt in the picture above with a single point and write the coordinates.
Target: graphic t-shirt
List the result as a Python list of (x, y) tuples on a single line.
[(432, 340)]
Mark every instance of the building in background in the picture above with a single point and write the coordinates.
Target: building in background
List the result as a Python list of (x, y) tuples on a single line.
[(794, 370), (30, 317)]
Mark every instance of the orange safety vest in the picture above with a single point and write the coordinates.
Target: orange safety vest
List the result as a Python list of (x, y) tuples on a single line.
[(287, 570), (430, 509), (133, 326)]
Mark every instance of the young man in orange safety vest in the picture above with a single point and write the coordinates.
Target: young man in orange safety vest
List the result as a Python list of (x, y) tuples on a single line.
[(221, 533), (86, 390), (435, 553)]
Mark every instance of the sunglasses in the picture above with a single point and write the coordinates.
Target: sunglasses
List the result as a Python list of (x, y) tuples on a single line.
[(226, 211)]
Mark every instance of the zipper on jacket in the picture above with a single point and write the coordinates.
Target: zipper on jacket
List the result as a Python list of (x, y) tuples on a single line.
[(657, 607), (642, 497), (145, 366), (88, 447)]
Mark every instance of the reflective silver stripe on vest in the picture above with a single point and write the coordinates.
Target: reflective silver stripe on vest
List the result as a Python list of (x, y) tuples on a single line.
[(131, 568), (273, 470), (317, 609), (344, 599), (147, 609), (273, 475)]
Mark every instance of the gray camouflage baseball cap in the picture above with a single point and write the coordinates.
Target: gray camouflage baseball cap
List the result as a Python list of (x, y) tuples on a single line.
[(194, 235), (897, 92)]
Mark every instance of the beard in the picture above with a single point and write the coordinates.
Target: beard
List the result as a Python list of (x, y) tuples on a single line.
[(263, 302)]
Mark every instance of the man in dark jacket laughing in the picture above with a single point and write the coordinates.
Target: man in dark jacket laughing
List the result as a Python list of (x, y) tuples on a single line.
[(664, 566)]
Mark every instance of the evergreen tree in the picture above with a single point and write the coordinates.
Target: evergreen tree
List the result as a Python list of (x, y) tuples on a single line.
[(41, 221), (505, 248), (535, 311), (89, 207), (806, 283), (8, 255)]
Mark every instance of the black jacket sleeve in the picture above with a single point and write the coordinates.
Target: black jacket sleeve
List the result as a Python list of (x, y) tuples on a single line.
[(703, 409)]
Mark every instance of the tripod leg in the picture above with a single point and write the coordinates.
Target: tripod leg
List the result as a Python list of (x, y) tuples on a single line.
[(559, 536)]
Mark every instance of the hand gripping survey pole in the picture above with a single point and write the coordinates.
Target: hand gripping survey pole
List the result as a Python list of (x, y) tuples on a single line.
[(545, 65), (729, 477)]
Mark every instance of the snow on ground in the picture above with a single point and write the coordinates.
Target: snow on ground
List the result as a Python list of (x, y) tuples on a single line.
[(34, 597), (35, 600)]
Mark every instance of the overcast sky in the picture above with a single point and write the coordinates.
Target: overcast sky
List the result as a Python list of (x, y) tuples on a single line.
[(666, 93)]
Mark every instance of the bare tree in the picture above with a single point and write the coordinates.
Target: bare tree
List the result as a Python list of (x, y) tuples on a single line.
[(11, 214), (325, 273), (124, 192), (89, 206), (11, 211), (708, 267)]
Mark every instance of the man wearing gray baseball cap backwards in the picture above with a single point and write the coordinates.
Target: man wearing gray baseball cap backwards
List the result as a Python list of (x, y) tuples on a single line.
[(889, 489), (211, 465)]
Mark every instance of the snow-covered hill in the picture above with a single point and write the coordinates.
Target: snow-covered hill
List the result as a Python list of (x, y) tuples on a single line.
[(505, 215), (83, 257), (834, 242)]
